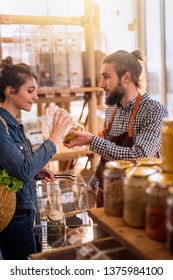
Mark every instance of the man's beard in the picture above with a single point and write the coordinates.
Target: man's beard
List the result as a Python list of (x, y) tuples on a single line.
[(116, 95)]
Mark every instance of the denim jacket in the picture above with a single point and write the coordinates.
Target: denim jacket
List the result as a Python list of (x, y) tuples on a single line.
[(18, 158)]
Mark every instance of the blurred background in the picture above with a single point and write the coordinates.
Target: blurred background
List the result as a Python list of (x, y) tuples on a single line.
[(65, 41)]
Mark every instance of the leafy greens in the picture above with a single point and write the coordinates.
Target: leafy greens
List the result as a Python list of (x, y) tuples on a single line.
[(10, 182)]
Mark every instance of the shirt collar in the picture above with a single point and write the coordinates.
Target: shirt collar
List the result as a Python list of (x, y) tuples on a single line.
[(131, 103)]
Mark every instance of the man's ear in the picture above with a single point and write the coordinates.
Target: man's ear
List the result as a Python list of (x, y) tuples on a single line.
[(127, 77)]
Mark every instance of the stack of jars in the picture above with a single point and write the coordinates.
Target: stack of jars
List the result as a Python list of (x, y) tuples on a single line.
[(125, 190), (148, 194), (143, 194)]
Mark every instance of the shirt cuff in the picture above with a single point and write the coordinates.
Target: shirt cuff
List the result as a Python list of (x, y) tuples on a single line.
[(94, 182), (96, 144), (50, 146)]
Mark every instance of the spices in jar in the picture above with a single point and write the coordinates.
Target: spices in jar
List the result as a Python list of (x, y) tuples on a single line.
[(113, 187), (157, 193), (135, 184), (167, 145), (56, 229), (169, 219), (74, 125)]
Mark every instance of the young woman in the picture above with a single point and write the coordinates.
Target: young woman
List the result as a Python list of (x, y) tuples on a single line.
[(18, 91)]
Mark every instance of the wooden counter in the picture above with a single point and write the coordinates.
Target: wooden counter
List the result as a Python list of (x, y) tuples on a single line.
[(135, 240)]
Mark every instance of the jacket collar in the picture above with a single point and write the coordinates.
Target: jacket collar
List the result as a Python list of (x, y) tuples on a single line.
[(8, 117)]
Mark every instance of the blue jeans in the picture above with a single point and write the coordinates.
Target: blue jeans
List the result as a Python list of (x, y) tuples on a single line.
[(18, 239)]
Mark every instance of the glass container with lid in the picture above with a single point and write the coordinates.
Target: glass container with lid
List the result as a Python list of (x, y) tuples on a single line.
[(157, 193), (56, 228), (167, 145), (135, 184), (74, 230), (169, 219), (149, 162), (113, 186), (73, 222), (74, 125)]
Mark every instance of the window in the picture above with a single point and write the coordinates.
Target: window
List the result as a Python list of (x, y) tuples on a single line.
[(153, 48), (169, 54)]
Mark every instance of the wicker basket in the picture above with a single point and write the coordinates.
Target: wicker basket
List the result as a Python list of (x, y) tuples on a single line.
[(7, 206), (7, 199)]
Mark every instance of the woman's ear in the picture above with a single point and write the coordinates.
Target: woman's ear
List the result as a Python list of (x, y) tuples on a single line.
[(9, 91)]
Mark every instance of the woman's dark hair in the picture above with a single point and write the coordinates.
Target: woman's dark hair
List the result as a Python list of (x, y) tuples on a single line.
[(124, 61), (14, 75)]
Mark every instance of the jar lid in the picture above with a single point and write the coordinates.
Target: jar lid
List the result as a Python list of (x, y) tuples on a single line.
[(73, 222), (168, 121), (170, 189), (163, 179), (141, 171), (149, 161), (56, 215), (119, 164)]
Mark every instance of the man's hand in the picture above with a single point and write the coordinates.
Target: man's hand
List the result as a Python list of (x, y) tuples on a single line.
[(82, 138)]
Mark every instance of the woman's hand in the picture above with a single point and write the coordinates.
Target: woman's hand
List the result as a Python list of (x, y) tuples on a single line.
[(46, 175), (82, 138), (60, 122)]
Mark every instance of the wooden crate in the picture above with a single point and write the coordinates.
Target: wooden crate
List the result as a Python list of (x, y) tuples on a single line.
[(103, 247)]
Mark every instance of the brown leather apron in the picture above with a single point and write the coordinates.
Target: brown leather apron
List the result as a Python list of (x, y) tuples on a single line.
[(124, 140)]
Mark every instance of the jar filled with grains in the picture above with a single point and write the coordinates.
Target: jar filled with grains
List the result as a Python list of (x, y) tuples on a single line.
[(169, 220), (157, 194), (113, 187), (135, 184), (167, 145)]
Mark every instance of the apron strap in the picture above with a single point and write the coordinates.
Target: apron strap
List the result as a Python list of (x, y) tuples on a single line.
[(106, 128), (135, 109)]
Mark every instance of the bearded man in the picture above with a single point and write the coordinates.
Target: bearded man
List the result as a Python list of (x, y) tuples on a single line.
[(133, 121)]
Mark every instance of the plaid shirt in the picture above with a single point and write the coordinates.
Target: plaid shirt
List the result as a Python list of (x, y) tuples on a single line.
[(146, 132)]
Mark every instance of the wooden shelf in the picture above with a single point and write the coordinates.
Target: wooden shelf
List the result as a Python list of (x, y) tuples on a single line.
[(47, 95), (68, 90), (70, 155), (41, 20), (64, 96), (135, 240)]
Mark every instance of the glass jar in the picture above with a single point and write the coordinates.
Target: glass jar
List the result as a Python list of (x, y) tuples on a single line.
[(74, 125), (74, 230), (73, 222), (157, 193), (169, 219), (135, 184), (56, 228), (113, 187), (167, 145)]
